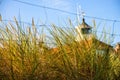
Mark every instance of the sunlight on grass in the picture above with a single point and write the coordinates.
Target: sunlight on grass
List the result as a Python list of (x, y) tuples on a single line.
[(24, 57)]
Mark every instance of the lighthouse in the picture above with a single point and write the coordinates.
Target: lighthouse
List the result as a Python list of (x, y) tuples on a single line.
[(84, 31)]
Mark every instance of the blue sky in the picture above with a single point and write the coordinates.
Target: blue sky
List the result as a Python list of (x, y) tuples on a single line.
[(108, 9)]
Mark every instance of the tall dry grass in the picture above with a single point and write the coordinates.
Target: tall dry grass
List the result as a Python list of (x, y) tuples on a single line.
[(24, 57)]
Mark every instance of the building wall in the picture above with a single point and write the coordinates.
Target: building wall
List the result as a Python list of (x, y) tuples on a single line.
[(117, 49)]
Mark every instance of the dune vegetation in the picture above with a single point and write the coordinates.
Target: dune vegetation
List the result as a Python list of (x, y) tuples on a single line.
[(25, 57)]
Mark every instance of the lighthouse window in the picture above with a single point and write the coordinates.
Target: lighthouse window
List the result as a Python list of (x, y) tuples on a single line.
[(86, 31)]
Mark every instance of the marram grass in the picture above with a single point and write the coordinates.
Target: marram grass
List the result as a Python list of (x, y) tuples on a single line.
[(24, 57)]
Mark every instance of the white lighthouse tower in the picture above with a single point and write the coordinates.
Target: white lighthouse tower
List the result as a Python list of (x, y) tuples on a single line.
[(84, 31)]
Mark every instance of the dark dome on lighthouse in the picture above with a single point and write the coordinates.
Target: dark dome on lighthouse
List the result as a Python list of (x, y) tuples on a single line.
[(84, 27), (84, 24)]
